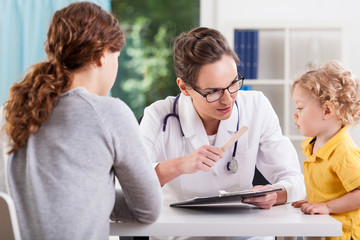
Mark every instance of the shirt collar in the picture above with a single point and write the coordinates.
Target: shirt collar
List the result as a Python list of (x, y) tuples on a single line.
[(307, 146), (326, 150)]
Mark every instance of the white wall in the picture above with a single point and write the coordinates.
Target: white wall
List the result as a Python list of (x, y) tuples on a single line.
[(219, 14)]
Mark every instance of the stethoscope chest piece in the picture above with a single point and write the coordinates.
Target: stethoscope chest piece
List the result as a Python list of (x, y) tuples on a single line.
[(232, 166)]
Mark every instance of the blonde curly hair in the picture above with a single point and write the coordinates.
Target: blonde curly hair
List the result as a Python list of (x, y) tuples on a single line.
[(332, 83)]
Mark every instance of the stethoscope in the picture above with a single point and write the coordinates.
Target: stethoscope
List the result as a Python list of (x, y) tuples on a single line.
[(231, 166)]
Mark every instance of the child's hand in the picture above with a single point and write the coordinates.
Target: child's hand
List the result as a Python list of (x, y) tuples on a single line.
[(298, 204), (311, 208)]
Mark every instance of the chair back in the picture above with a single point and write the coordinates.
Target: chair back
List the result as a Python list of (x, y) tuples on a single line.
[(9, 226)]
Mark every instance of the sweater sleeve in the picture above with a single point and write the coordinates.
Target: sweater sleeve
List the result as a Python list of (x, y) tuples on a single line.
[(140, 196)]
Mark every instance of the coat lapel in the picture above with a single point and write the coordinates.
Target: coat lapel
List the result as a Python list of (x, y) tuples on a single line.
[(191, 123)]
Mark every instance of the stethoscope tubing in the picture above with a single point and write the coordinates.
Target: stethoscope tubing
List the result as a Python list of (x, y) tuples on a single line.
[(230, 166)]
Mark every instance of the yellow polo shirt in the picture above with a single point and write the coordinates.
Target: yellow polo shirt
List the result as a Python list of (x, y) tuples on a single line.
[(332, 171)]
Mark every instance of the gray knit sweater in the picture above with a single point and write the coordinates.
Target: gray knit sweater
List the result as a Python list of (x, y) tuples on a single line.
[(62, 181)]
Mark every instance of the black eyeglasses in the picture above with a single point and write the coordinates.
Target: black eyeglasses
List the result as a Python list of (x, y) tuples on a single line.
[(216, 94)]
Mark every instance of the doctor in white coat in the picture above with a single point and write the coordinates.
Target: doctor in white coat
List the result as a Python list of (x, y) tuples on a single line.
[(184, 134)]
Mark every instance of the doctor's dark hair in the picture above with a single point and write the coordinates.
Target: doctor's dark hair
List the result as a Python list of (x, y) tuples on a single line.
[(196, 48), (77, 38), (331, 83)]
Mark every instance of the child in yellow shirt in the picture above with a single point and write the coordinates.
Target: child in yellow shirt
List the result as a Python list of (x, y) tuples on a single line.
[(327, 101)]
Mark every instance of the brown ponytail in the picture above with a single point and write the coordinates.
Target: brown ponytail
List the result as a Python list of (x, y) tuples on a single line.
[(31, 101), (77, 37)]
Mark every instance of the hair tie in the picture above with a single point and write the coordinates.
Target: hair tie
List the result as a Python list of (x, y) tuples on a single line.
[(55, 59), (197, 36)]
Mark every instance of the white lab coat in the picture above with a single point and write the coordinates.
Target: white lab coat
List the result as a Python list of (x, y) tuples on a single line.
[(262, 145)]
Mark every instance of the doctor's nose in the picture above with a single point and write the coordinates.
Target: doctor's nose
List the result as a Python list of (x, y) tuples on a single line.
[(226, 97)]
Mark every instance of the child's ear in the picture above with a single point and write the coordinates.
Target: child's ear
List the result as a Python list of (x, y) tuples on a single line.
[(182, 86), (329, 110)]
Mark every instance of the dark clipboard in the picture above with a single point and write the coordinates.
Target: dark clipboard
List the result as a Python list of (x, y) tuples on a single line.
[(223, 197)]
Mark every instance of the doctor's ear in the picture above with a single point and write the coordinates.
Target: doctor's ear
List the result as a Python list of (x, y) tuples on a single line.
[(182, 86)]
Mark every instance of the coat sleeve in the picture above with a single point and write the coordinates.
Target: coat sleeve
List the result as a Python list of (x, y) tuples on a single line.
[(277, 158), (151, 128)]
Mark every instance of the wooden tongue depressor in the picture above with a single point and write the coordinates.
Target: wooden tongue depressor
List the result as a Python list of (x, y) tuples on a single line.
[(234, 138)]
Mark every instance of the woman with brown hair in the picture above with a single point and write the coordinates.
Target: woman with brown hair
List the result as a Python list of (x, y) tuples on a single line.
[(69, 140), (184, 134)]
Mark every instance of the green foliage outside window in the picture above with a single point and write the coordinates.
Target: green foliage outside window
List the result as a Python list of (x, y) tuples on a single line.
[(146, 71)]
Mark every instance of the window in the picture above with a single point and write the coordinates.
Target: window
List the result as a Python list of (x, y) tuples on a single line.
[(146, 71)]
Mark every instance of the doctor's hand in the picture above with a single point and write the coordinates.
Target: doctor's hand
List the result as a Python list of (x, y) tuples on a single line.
[(202, 159), (265, 201)]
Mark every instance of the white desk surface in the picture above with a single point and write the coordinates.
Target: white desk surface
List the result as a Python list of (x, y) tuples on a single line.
[(242, 220)]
